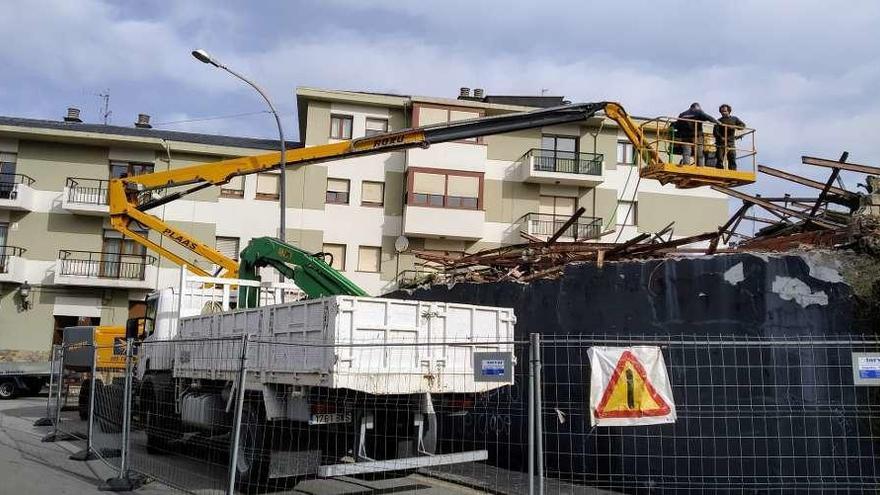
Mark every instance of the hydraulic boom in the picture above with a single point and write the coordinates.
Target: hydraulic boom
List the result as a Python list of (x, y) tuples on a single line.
[(131, 198)]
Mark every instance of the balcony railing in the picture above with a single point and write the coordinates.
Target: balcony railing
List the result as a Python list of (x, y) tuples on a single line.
[(566, 162), (544, 224), (93, 264), (7, 252), (87, 191), (9, 183)]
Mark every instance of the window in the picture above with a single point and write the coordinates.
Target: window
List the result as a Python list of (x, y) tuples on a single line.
[(557, 205), (4, 253), (337, 253), (4, 230), (625, 153), (337, 191), (428, 115), (267, 186), (369, 259), (234, 188), (340, 126), (372, 193), (376, 126), (7, 175), (560, 146), (122, 258), (445, 190), (227, 246), (128, 169), (627, 213)]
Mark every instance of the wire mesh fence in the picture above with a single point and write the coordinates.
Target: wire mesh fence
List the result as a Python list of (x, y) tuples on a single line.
[(754, 415)]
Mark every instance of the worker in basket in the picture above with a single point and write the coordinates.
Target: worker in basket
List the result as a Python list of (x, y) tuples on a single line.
[(688, 133), (725, 137)]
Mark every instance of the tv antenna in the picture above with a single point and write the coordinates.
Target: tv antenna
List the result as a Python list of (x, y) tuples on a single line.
[(544, 91), (105, 107)]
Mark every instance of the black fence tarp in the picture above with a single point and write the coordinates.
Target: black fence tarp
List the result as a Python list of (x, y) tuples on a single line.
[(759, 353)]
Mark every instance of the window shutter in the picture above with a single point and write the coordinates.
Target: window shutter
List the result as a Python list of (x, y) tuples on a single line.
[(338, 252), (337, 185), (424, 183), (565, 206), (429, 115), (235, 184), (546, 205), (369, 259), (372, 192), (6, 157), (267, 184), (227, 246), (455, 115), (376, 126), (467, 187)]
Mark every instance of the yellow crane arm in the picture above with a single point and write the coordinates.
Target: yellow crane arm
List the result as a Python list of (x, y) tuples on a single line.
[(124, 193)]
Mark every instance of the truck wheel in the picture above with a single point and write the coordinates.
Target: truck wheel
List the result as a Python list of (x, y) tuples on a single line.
[(36, 385), (83, 400), (253, 450), (8, 389), (160, 423)]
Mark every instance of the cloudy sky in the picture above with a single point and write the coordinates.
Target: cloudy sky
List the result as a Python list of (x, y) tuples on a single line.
[(804, 73)]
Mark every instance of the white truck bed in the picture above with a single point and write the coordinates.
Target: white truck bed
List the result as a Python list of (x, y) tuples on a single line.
[(377, 346)]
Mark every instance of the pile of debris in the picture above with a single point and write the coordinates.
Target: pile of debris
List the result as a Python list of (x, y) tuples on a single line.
[(837, 218)]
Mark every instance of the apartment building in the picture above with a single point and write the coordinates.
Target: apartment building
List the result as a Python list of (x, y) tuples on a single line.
[(62, 264), (481, 193)]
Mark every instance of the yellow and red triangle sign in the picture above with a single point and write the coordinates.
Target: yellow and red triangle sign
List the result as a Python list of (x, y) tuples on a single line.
[(629, 393)]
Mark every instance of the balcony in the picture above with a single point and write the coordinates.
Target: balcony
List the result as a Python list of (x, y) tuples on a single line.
[(443, 223), (97, 269), (544, 225), (85, 196), (560, 167), (12, 267), (16, 192)]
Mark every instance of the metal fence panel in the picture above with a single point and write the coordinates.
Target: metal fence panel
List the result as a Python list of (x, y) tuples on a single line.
[(755, 415)]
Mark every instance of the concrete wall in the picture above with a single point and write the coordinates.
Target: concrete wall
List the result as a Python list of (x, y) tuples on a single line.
[(50, 164), (43, 234)]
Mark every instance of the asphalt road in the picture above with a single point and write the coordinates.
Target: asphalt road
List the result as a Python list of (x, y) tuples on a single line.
[(27, 465)]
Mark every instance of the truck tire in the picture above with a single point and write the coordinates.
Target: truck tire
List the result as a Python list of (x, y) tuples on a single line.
[(35, 386), (161, 424), (8, 389), (252, 468)]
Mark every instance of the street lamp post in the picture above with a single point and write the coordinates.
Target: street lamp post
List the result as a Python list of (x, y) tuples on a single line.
[(202, 56)]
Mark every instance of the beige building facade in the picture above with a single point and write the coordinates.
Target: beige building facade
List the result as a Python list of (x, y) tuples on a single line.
[(370, 213)]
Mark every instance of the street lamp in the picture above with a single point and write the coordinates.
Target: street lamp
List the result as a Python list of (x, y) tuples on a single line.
[(202, 56)]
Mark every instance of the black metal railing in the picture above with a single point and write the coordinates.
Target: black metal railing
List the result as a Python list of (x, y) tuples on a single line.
[(9, 184), (567, 162), (94, 264), (545, 224), (7, 252), (87, 191)]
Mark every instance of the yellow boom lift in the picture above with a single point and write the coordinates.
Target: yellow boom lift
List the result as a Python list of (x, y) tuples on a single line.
[(130, 198)]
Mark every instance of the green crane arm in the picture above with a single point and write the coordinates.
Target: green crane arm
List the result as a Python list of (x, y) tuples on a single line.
[(310, 273)]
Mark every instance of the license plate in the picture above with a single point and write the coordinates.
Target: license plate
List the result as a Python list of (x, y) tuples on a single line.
[(328, 418)]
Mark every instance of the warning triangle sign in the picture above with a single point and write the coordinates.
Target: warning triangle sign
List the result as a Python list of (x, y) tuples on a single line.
[(629, 393)]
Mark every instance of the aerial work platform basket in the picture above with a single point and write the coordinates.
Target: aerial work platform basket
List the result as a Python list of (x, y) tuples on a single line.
[(728, 160)]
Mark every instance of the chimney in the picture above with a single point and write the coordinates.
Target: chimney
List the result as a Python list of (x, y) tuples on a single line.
[(464, 92), (143, 121), (478, 93), (72, 115)]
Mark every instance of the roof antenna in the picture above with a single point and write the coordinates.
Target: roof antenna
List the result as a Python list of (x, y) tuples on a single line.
[(105, 108), (544, 91)]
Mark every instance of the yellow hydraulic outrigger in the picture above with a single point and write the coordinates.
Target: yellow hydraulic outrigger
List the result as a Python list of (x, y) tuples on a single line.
[(130, 197)]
